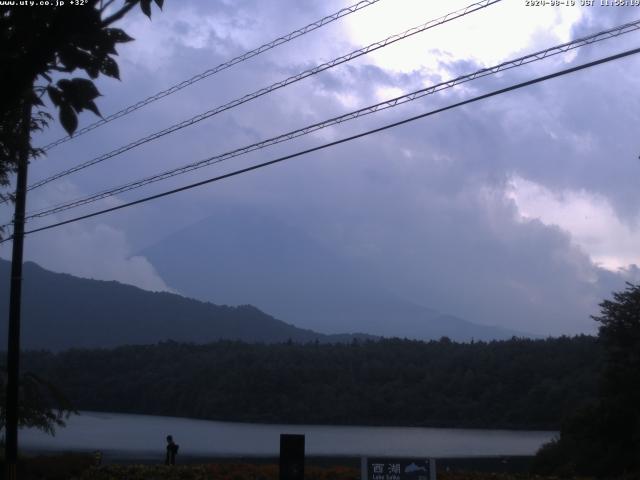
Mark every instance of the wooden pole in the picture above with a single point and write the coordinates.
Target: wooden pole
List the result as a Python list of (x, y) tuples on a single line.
[(13, 348)]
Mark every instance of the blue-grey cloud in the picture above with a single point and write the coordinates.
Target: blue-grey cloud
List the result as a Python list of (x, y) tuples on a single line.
[(424, 209)]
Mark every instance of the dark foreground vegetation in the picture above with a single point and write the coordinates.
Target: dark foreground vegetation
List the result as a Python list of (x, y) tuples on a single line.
[(81, 466), (519, 383), (603, 437), (589, 386)]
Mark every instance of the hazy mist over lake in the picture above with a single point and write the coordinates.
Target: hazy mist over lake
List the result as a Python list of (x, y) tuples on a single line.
[(143, 435)]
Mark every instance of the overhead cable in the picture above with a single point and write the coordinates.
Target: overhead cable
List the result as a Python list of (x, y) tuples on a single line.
[(212, 71), (263, 91), (523, 60), (343, 140)]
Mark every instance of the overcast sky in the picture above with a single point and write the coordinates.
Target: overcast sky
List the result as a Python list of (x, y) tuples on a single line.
[(522, 210)]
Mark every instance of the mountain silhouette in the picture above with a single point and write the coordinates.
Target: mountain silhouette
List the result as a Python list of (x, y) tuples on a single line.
[(60, 311), (245, 255)]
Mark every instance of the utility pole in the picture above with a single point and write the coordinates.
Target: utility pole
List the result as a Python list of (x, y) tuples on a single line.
[(13, 348)]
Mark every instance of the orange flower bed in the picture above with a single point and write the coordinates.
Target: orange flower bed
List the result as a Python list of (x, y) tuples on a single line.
[(222, 471), (244, 471)]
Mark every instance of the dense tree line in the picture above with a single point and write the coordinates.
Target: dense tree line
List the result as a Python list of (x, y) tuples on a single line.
[(520, 383), (603, 437)]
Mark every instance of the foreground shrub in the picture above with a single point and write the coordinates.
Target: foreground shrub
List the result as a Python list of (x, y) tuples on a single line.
[(224, 471)]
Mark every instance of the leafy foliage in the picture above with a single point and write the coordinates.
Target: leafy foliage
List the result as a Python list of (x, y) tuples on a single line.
[(37, 44), (63, 466), (604, 437), (512, 384), (41, 404), (226, 471), (619, 334)]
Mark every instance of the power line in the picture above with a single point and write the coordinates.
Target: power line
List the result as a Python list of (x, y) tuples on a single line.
[(263, 91), (343, 140), (212, 71), (532, 57)]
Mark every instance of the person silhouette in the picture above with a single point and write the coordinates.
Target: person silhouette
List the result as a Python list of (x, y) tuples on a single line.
[(172, 451)]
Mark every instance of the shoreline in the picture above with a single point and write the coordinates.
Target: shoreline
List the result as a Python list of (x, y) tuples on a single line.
[(416, 426), (486, 463)]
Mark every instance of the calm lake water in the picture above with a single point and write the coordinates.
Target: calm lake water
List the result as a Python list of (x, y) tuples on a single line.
[(143, 436)]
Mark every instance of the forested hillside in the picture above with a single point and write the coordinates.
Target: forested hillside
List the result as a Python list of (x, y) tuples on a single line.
[(60, 311), (518, 383)]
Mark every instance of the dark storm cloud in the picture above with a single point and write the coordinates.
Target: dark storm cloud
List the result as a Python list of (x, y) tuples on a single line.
[(423, 208)]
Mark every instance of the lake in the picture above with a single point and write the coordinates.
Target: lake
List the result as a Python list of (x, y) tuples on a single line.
[(143, 436)]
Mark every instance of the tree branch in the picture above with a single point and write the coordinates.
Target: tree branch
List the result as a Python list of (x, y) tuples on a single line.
[(58, 69), (119, 14), (106, 5)]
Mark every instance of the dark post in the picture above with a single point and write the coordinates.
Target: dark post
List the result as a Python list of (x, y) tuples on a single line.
[(291, 457), (13, 348)]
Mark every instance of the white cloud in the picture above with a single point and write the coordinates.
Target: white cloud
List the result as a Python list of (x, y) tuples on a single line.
[(590, 219), (487, 36), (384, 93), (100, 252)]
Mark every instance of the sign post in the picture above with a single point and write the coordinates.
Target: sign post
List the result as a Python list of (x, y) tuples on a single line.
[(291, 457), (398, 468)]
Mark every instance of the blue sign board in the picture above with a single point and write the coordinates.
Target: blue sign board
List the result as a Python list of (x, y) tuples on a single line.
[(398, 469)]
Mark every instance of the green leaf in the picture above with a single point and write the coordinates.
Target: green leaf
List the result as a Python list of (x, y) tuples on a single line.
[(145, 5), (85, 88), (93, 107), (68, 118), (78, 93), (110, 68), (117, 35), (35, 99), (105, 45), (55, 95), (92, 70), (64, 85), (73, 57)]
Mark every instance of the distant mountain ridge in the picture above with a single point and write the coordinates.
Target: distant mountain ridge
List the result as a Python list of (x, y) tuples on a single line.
[(60, 311), (246, 255)]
